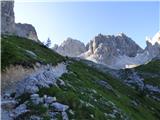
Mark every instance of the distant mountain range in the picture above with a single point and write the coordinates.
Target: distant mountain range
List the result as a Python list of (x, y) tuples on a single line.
[(114, 51)]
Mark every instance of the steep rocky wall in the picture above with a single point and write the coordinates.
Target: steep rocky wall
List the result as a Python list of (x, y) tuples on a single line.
[(70, 47), (8, 25), (26, 30), (7, 17)]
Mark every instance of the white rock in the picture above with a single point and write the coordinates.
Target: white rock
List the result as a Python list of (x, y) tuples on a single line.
[(61, 82), (50, 100), (59, 107), (64, 116)]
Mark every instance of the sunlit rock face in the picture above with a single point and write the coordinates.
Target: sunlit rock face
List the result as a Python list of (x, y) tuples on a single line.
[(153, 45), (114, 51), (111, 49), (8, 25), (70, 48), (26, 30), (7, 17), (119, 52)]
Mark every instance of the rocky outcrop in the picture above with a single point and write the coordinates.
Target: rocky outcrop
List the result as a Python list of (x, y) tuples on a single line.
[(7, 17), (8, 25), (44, 76), (70, 48), (26, 30)]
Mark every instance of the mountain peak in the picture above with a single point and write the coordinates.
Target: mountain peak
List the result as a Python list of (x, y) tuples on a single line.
[(121, 34), (70, 47), (155, 39)]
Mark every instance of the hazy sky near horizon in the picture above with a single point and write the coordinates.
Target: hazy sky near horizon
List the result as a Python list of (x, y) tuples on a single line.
[(84, 20)]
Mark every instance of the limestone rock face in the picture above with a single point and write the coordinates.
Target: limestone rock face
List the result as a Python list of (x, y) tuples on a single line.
[(107, 49), (115, 45), (26, 30), (7, 17), (153, 46), (8, 25), (70, 48)]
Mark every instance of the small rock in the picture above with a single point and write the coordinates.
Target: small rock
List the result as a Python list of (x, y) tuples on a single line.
[(105, 84), (53, 114), (38, 64), (36, 99), (71, 112), (112, 115), (64, 116), (34, 96), (59, 107), (8, 104), (92, 116), (6, 96), (34, 117), (134, 103), (32, 54), (50, 100), (60, 82), (21, 109)]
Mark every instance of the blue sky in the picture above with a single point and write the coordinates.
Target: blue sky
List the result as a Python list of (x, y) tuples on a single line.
[(84, 20)]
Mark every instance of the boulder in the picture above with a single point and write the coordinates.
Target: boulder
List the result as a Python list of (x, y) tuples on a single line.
[(59, 107)]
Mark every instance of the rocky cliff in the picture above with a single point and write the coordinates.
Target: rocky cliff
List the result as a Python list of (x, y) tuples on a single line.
[(7, 17), (26, 30), (103, 49), (120, 51), (114, 51), (8, 25), (70, 47)]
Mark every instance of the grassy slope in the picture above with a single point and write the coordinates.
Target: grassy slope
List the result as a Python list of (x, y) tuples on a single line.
[(13, 52), (80, 86), (150, 72), (82, 93)]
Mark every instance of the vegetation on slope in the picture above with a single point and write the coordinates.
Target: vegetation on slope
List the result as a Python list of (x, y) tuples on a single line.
[(150, 72), (90, 94), (151, 67), (16, 50), (91, 100)]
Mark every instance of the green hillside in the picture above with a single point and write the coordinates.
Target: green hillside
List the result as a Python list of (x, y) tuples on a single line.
[(90, 94), (16, 50)]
